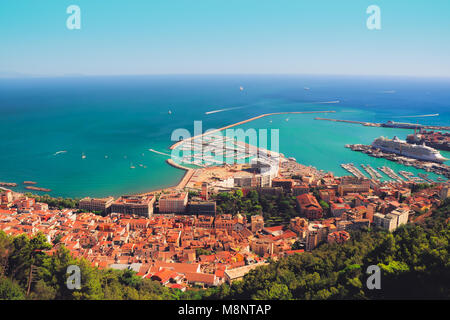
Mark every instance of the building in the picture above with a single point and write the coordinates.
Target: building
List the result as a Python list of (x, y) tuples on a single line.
[(202, 207), (6, 199), (238, 273), (204, 193), (139, 205), (353, 185), (300, 189), (327, 195), (96, 204), (299, 226), (173, 203), (228, 222), (257, 223), (286, 184), (25, 205), (444, 193), (262, 246), (388, 222), (337, 209), (309, 206), (402, 216), (316, 234), (245, 181), (338, 237)]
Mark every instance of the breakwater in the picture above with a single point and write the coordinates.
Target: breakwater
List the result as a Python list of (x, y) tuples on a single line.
[(176, 144)]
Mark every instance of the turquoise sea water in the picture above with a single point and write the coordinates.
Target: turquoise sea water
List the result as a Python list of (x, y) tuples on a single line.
[(113, 121)]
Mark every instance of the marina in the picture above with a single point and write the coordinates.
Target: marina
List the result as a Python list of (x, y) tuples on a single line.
[(350, 167), (437, 168), (372, 172), (391, 173)]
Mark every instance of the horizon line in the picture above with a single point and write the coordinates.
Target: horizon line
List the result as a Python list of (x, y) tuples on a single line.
[(18, 75)]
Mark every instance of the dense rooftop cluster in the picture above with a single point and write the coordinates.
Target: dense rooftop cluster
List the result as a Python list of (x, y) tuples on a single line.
[(181, 247)]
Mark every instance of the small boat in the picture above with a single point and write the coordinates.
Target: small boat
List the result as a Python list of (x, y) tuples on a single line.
[(29, 182), (170, 112), (83, 156), (241, 88), (56, 153)]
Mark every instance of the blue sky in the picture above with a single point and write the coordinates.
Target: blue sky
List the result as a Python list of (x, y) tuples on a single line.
[(225, 36)]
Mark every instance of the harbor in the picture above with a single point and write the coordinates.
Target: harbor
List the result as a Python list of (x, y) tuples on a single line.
[(389, 124), (176, 144), (437, 168)]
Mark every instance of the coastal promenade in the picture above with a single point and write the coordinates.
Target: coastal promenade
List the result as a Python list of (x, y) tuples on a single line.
[(176, 144)]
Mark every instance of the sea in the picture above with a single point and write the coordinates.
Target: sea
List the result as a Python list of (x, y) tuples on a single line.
[(90, 136)]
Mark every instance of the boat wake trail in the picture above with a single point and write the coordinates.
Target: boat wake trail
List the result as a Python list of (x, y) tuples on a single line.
[(222, 110), (334, 101), (420, 116)]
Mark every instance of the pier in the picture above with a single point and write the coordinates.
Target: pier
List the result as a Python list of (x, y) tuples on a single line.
[(375, 124), (372, 172), (159, 152), (437, 168), (176, 144), (350, 167)]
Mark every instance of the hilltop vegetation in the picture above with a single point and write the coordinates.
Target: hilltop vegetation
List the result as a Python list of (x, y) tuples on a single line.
[(414, 263), (274, 208), (49, 278), (60, 203)]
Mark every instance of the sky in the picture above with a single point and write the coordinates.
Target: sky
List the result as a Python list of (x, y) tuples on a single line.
[(125, 37)]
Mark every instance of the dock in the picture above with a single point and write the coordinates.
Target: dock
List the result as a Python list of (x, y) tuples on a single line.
[(350, 167)]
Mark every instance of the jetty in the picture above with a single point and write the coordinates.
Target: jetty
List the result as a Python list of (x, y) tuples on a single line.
[(159, 152), (38, 189), (176, 144), (387, 125), (8, 184)]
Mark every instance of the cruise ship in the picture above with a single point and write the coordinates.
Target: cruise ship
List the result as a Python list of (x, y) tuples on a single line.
[(403, 125), (401, 147)]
